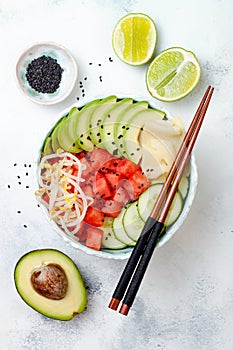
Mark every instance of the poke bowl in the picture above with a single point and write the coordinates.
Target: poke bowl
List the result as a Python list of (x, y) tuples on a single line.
[(100, 169)]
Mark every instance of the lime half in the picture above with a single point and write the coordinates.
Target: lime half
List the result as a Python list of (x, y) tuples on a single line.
[(134, 38), (173, 74)]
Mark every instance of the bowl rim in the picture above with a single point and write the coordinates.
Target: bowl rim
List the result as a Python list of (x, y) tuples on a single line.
[(125, 252), (55, 46)]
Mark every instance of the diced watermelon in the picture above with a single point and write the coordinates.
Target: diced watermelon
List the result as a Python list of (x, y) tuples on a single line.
[(113, 179), (126, 167), (101, 187), (139, 182), (109, 166), (98, 157), (94, 238), (111, 208), (82, 232), (121, 196), (94, 217)]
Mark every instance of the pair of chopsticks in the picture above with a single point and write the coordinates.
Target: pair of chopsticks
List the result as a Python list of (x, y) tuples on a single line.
[(136, 266)]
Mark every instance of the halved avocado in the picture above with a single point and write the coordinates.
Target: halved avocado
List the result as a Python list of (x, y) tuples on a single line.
[(49, 282)]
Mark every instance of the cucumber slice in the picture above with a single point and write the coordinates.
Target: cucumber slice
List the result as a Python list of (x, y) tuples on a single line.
[(110, 241), (132, 222), (184, 186), (119, 230), (148, 198)]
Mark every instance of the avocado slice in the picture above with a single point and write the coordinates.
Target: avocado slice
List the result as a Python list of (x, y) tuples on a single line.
[(82, 125), (64, 137), (122, 121), (47, 147), (108, 122), (54, 137), (96, 117), (64, 297), (133, 129)]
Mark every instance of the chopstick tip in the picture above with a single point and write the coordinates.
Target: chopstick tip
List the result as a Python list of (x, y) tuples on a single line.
[(114, 304), (124, 309)]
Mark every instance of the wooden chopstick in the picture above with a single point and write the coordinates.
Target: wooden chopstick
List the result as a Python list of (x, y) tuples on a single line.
[(154, 224)]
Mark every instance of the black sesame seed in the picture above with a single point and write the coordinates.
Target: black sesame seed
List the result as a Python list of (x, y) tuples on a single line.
[(83, 95), (99, 140), (8, 186), (90, 63), (29, 165), (85, 78), (19, 212), (110, 59), (132, 154), (26, 174), (27, 186), (99, 120), (15, 164), (108, 133), (90, 126), (127, 128), (19, 183), (77, 98), (83, 90), (25, 226), (18, 176), (98, 134), (100, 64), (100, 78), (44, 74), (25, 165)]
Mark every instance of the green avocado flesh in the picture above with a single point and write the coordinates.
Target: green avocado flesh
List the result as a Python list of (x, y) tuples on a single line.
[(62, 301)]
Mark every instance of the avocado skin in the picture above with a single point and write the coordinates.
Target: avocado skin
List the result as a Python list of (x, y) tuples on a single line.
[(75, 274)]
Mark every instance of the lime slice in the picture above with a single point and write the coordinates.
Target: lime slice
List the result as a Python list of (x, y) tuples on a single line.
[(173, 74), (134, 38)]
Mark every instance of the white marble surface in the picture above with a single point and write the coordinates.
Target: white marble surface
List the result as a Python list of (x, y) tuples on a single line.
[(186, 300)]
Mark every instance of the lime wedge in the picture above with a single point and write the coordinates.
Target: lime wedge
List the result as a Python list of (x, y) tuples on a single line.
[(173, 74), (134, 38)]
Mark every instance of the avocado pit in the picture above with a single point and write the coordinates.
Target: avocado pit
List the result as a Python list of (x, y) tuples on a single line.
[(50, 281)]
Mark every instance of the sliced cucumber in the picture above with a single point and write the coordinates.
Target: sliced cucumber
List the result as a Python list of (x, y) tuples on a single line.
[(132, 222), (184, 186), (148, 198), (109, 240), (119, 230)]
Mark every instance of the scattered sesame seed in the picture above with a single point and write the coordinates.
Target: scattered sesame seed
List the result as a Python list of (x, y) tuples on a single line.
[(8, 186), (25, 226), (15, 164)]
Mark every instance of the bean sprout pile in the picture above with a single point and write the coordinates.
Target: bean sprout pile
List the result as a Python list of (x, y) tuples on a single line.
[(59, 177)]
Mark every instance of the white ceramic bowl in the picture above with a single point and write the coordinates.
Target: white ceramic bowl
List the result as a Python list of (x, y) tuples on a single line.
[(66, 61), (125, 253)]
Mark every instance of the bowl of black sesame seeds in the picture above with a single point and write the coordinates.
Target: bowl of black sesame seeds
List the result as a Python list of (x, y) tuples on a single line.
[(46, 73)]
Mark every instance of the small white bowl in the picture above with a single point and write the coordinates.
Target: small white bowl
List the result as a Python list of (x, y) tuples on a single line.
[(125, 253), (64, 59)]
